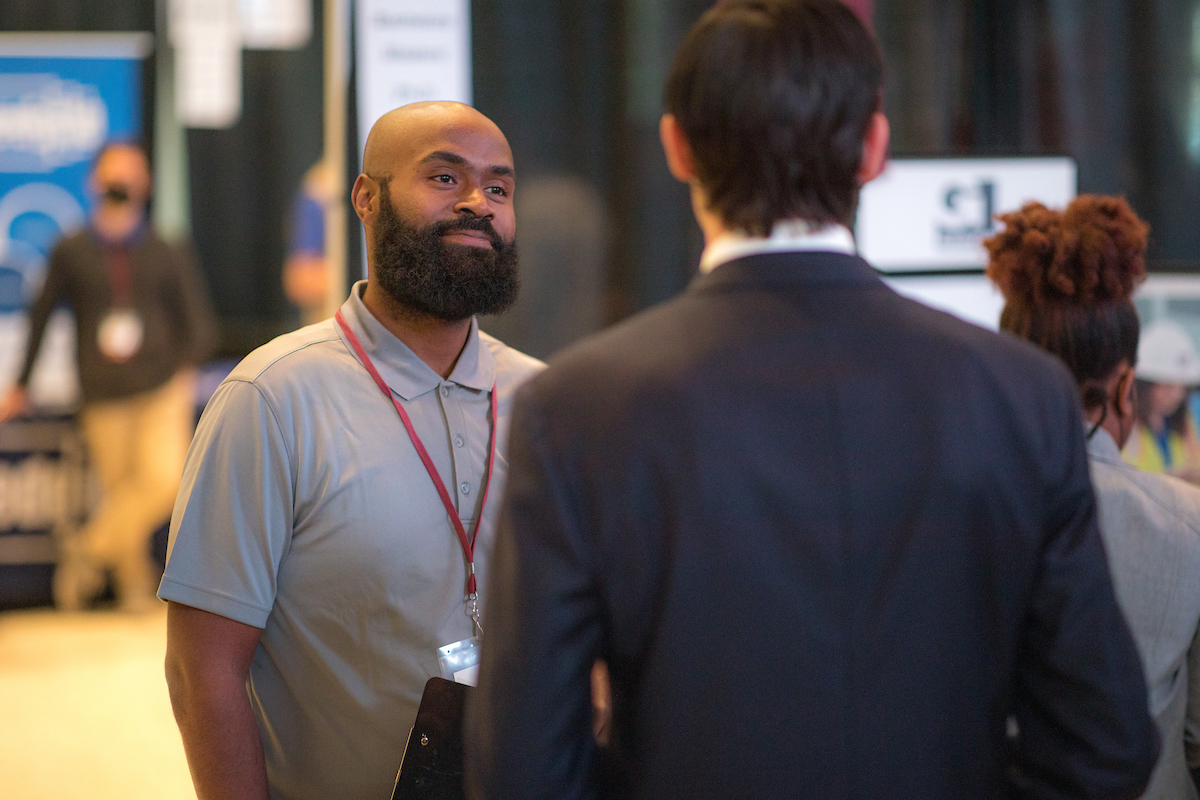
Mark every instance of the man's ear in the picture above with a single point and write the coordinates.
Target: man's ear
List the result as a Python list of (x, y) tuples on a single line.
[(1126, 404), (875, 148), (365, 197), (680, 160)]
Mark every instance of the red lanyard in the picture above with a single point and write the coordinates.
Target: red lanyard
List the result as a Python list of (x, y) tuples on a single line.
[(119, 265), (468, 545)]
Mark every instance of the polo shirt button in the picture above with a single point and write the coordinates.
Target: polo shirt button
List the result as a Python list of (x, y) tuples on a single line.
[(458, 441), (465, 487), (445, 391)]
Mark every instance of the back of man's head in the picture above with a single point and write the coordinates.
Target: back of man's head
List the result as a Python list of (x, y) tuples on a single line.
[(775, 98)]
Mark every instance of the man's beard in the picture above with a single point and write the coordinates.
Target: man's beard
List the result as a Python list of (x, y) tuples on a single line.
[(446, 281)]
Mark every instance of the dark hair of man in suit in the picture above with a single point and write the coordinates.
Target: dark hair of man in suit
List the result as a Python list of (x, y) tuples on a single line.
[(775, 98), (1068, 278)]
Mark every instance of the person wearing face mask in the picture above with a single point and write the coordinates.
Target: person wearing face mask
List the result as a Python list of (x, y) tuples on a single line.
[(143, 321), (1165, 438), (1067, 278)]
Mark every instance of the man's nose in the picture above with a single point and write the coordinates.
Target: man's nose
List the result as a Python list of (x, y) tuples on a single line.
[(474, 201)]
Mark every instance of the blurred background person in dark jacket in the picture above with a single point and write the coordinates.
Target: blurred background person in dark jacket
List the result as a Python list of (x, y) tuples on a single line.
[(143, 321)]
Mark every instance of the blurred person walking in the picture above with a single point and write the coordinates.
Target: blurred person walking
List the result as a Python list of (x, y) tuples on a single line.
[(1165, 438), (306, 276), (143, 321), (830, 542), (1067, 279)]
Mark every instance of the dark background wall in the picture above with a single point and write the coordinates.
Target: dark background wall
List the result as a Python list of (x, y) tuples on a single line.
[(77, 15), (576, 85), (243, 180), (1113, 83)]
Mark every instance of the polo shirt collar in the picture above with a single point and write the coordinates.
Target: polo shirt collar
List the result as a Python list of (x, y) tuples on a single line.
[(476, 369), (402, 370)]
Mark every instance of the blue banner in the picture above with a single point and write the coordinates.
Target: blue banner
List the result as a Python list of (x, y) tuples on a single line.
[(61, 98)]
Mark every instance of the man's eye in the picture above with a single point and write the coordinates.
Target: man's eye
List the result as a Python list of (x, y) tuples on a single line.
[(444, 178), (500, 191)]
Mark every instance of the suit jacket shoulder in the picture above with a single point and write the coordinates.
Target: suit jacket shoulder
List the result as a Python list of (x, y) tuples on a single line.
[(817, 318), (791, 500)]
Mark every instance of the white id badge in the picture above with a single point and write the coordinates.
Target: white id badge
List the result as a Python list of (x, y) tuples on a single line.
[(460, 661), (120, 335)]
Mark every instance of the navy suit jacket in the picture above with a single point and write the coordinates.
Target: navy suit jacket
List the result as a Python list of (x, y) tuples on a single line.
[(832, 544)]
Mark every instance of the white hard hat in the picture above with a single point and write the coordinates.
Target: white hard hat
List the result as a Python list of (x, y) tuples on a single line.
[(1166, 354)]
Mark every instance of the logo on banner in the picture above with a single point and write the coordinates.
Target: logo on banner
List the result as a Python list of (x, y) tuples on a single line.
[(47, 122), (969, 214), (33, 216)]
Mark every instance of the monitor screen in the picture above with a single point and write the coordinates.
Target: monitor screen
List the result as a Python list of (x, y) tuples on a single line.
[(1174, 297), (929, 215), (970, 297)]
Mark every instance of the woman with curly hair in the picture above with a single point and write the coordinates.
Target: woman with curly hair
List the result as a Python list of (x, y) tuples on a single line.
[(1067, 278)]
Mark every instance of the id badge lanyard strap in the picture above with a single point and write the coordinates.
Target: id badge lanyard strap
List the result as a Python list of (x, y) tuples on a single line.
[(118, 264), (468, 543)]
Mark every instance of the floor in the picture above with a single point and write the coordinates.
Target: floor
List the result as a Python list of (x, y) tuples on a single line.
[(84, 711)]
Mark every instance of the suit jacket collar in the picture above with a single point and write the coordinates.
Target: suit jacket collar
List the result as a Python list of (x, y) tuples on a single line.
[(796, 269)]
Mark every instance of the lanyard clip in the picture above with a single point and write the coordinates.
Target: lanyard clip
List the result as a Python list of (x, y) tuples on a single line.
[(471, 584), (473, 613)]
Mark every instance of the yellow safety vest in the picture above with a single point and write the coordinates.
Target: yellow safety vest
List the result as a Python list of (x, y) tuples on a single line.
[(1143, 452)]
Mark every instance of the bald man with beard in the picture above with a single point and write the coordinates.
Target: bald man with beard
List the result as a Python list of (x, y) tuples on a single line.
[(338, 505)]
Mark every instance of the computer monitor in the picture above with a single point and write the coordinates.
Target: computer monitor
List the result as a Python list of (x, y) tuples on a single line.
[(931, 215)]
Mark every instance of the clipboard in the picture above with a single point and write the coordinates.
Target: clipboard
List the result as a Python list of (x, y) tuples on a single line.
[(432, 765)]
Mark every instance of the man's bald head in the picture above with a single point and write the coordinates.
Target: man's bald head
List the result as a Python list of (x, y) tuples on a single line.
[(398, 135), (436, 200), (437, 161)]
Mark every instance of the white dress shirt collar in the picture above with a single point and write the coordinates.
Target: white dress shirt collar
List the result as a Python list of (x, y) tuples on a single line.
[(787, 236)]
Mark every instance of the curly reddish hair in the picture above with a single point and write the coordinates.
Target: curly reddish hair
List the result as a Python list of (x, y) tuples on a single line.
[(1068, 279)]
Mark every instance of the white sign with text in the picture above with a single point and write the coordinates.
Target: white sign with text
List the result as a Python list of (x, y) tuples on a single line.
[(207, 36), (933, 214), (409, 51), (275, 24)]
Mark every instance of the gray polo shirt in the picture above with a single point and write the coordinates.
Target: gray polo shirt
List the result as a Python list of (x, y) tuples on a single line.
[(305, 511)]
